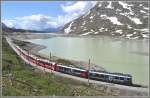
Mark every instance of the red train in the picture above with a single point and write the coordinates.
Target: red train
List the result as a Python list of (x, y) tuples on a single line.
[(52, 65), (118, 78)]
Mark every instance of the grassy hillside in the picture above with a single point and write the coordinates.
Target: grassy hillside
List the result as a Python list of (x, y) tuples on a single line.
[(20, 79)]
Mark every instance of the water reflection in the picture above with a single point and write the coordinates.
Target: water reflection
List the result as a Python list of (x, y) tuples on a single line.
[(127, 56)]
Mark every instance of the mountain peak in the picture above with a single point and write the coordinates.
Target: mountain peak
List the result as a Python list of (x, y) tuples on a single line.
[(125, 19), (3, 26)]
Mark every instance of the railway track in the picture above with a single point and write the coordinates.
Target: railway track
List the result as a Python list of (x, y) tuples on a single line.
[(131, 87)]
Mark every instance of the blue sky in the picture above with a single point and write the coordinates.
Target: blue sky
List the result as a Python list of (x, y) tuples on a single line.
[(19, 9), (39, 15)]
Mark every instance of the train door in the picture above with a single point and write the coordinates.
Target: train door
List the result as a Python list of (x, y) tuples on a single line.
[(110, 78)]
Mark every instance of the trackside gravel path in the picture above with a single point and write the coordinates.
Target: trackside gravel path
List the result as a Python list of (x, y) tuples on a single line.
[(110, 86)]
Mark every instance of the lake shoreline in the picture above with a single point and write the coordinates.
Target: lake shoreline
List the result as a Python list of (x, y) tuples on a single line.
[(35, 48), (24, 36), (133, 53), (117, 90)]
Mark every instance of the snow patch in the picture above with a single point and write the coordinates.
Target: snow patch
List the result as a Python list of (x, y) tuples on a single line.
[(86, 33), (134, 32), (129, 35), (84, 23), (114, 20), (91, 17), (142, 11), (145, 30), (135, 37), (146, 8), (103, 15), (127, 13), (99, 5), (68, 30), (82, 26), (84, 29), (86, 14), (124, 14), (109, 5), (96, 32), (112, 34), (101, 29), (136, 20), (129, 27), (92, 30), (141, 5), (119, 31), (118, 10), (125, 5), (106, 29), (131, 13), (130, 5), (145, 35)]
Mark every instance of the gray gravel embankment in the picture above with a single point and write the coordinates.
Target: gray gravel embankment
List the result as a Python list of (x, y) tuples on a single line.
[(112, 88)]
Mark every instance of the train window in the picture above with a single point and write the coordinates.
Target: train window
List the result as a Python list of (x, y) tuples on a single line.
[(116, 77), (60, 68), (77, 71), (127, 79), (67, 69), (92, 74), (121, 78), (97, 75), (106, 76), (102, 76)]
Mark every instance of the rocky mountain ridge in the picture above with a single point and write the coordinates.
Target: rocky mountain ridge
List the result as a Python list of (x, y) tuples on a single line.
[(123, 19), (8, 30)]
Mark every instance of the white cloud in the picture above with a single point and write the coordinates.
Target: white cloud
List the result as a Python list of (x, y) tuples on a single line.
[(9, 23), (39, 22), (75, 9), (79, 7), (33, 22), (69, 2), (62, 20)]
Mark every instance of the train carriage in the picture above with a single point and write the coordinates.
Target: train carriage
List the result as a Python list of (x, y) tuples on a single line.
[(111, 77), (118, 78), (80, 72), (71, 71), (40, 63), (63, 69), (48, 65)]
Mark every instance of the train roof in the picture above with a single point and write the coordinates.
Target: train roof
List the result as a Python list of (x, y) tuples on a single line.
[(71, 67), (91, 71), (31, 55), (42, 59), (21, 50), (112, 74), (46, 61)]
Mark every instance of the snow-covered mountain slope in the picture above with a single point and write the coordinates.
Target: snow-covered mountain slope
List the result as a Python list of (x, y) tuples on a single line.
[(125, 19), (3, 26)]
